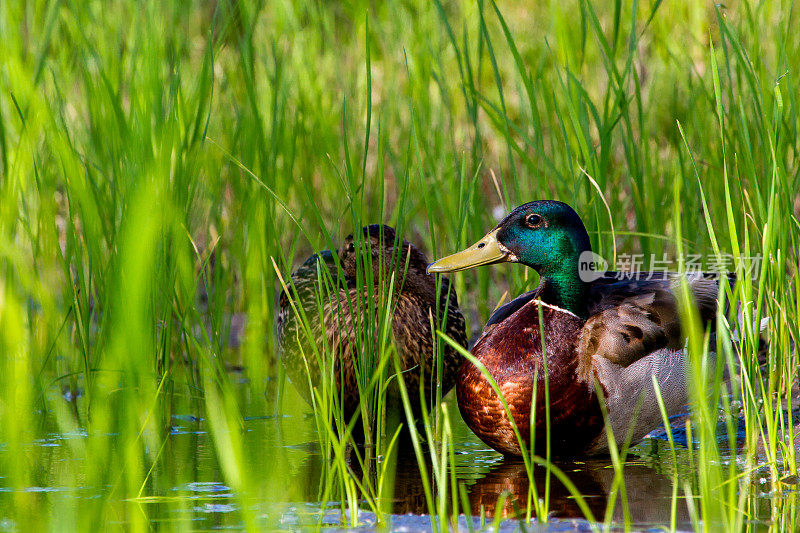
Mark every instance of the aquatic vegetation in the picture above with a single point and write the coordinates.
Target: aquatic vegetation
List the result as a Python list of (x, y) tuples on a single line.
[(163, 165)]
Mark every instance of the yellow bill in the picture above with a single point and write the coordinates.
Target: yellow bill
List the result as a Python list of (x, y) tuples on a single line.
[(484, 252)]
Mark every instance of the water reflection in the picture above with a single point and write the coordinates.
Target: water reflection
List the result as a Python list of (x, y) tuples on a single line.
[(503, 487), (649, 494), (299, 489), (508, 487), (500, 486)]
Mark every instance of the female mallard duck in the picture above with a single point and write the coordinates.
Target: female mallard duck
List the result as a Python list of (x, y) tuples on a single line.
[(353, 309), (610, 332)]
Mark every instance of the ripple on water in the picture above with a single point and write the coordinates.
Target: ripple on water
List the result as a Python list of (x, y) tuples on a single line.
[(206, 487), (301, 516), (212, 508)]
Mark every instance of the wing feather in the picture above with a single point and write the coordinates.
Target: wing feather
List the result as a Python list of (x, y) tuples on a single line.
[(632, 318)]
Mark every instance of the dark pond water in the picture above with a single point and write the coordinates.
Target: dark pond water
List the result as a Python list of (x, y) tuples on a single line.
[(283, 449)]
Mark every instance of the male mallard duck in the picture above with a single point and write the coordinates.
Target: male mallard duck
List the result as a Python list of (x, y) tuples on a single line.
[(353, 308), (613, 331)]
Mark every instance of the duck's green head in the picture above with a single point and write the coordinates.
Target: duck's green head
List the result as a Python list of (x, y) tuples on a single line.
[(545, 235)]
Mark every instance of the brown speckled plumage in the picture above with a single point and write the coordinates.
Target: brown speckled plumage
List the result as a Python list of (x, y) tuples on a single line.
[(348, 330)]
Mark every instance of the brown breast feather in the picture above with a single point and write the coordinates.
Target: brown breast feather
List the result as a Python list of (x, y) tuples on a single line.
[(512, 353)]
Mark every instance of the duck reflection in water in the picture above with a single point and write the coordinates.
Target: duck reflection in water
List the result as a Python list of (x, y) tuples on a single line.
[(502, 487), (648, 493)]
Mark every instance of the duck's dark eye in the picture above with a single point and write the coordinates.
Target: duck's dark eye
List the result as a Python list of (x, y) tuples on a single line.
[(351, 247), (533, 220)]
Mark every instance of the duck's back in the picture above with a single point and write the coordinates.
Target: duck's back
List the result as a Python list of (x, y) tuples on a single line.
[(314, 288)]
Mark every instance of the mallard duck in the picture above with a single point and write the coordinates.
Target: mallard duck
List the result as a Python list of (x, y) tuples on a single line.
[(352, 309), (613, 331)]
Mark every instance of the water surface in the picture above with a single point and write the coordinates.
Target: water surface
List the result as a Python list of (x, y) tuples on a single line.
[(282, 450)]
